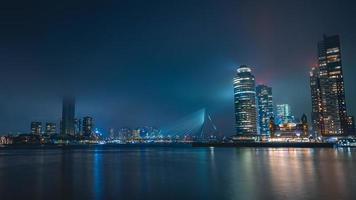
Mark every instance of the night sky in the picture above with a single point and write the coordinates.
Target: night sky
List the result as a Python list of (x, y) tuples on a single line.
[(133, 63)]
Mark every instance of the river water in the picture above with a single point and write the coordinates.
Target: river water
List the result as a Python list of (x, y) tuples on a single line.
[(177, 173)]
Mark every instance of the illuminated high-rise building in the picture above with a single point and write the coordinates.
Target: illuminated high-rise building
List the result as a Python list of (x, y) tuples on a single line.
[(329, 117), (245, 101), (283, 114), (88, 126), (36, 128), (68, 113), (50, 128), (264, 108)]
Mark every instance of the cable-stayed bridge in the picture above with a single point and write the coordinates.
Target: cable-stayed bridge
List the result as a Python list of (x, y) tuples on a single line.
[(198, 125)]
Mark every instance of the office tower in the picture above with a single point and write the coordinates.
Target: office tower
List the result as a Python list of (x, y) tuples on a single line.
[(245, 101), (51, 128), (36, 128), (329, 117), (68, 113), (304, 125), (264, 108), (88, 126), (77, 126), (317, 108), (283, 113)]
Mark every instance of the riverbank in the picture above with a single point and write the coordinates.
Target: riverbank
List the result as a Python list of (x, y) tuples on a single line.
[(268, 144), (91, 146), (195, 144)]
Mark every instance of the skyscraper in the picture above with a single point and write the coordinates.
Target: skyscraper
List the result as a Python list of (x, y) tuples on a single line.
[(329, 115), (68, 112), (88, 126), (283, 113), (317, 108), (78, 126), (265, 108), (245, 101), (36, 128), (50, 128)]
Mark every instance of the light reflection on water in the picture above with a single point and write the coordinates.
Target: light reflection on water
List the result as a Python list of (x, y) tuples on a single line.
[(178, 173)]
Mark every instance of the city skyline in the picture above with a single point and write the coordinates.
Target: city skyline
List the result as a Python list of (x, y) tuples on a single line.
[(115, 72), (178, 99), (68, 107)]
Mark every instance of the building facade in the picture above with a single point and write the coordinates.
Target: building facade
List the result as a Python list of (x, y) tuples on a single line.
[(304, 125), (264, 108), (36, 128), (78, 126), (51, 128), (88, 126), (68, 113), (329, 116), (245, 102), (284, 114)]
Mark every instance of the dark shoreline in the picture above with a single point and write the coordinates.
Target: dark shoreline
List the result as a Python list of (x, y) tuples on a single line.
[(268, 144), (89, 146), (175, 145)]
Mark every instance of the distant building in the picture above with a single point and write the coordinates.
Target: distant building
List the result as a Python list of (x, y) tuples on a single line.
[(88, 126), (51, 128), (283, 114), (351, 125), (78, 126), (68, 113), (136, 134), (112, 133), (124, 133), (329, 116), (36, 128), (245, 102), (6, 139), (264, 108), (290, 129), (272, 127), (27, 139), (303, 126)]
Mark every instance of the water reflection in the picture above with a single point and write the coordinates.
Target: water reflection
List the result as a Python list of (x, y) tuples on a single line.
[(97, 167), (295, 174), (178, 173)]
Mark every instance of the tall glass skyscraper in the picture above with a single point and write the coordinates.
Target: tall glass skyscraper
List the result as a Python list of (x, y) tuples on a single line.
[(68, 113), (283, 114), (265, 108), (329, 115), (245, 101)]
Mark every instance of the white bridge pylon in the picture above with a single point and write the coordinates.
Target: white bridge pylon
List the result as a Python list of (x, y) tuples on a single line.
[(198, 124)]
